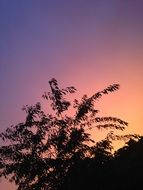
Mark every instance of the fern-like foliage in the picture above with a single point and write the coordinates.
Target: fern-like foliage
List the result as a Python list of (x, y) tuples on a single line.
[(39, 153)]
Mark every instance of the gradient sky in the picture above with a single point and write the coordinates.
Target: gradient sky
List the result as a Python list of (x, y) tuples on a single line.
[(86, 43)]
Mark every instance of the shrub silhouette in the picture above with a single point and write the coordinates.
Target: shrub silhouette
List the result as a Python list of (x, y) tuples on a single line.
[(127, 167), (47, 151)]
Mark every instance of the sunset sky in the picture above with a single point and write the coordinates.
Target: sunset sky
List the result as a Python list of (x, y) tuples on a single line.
[(89, 44)]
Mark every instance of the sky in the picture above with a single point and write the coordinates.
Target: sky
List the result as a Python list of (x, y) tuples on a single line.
[(89, 44)]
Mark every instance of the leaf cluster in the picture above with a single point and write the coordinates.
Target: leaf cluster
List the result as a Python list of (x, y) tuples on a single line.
[(40, 152)]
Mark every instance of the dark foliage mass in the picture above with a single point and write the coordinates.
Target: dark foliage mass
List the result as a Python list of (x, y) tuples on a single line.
[(56, 152)]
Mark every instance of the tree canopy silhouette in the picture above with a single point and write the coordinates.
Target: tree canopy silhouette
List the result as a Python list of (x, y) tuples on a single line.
[(127, 166), (42, 152)]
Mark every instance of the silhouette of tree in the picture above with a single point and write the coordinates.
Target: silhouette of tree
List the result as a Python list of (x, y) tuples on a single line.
[(44, 151), (127, 166)]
